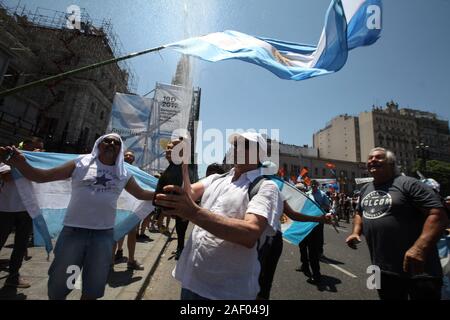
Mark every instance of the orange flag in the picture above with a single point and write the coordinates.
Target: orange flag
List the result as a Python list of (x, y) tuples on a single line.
[(304, 172), (330, 165), (307, 181)]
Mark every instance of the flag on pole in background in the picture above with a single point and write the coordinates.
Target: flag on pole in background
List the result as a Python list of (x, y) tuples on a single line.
[(304, 172), (330, 165), (307, 180), (348, 24)]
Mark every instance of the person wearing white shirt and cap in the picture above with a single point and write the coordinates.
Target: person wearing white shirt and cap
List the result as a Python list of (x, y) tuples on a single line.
[(220, 259), (87, 237)]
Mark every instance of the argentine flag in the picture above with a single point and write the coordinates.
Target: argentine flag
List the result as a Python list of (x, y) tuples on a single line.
[(295, 231), (348, 24), (46, 203)]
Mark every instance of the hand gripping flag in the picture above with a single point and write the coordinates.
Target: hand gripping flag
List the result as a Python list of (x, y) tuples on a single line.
[(46, 203), (348, 24)]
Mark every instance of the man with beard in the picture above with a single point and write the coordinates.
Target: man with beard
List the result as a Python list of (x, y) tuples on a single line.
[(87, 239)]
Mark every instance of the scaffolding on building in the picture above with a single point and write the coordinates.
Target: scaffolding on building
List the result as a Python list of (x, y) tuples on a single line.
[(58, 21), (46, 42)]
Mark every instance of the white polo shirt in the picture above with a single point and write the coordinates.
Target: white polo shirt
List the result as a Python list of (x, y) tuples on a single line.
[(219, 269)]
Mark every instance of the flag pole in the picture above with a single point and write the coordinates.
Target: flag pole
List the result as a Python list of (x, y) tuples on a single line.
[(76, 71)]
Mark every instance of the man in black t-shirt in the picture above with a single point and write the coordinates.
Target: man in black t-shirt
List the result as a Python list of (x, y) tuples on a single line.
[(402, 220)]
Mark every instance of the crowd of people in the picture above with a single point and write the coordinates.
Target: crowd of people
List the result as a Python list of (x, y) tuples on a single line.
[(236, 241)]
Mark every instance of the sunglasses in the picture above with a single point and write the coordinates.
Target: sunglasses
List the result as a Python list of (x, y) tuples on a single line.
[(112, 141)]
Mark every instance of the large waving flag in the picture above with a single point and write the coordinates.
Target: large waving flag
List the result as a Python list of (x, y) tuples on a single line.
[(47, 202), (349, 24), (294, 231)]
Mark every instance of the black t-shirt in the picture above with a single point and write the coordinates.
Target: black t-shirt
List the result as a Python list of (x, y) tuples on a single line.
[(392, 222)]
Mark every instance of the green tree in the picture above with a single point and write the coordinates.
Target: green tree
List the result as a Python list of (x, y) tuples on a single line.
[(438, 170)]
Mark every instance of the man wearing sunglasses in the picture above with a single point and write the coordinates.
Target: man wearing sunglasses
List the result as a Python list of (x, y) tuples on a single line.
[(86, 240), (220, 259)]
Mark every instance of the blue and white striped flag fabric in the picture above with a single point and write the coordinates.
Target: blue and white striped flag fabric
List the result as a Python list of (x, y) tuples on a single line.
[(349, 24), (47, 202), (294, 231), (130, 117)]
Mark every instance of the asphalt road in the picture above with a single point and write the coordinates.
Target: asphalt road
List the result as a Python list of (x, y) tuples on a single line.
[(344, 272), (343, 269)]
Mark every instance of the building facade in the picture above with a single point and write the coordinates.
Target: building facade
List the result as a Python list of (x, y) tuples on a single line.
[(410, 134), (388, 128), (294, 158), (339, 139), (70, 113)]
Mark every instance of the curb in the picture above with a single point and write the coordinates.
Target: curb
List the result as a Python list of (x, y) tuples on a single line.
[(153, 259)]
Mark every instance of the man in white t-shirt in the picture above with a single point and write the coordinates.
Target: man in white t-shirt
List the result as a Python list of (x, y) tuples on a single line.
[(13, 214), (86, 240), (220, 259)]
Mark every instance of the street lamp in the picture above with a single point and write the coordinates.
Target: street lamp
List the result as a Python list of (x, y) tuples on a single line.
[(422, 153)]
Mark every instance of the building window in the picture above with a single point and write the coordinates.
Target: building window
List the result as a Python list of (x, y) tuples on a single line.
[(324, 172), (102, 115), (92, 107), (316, 172)]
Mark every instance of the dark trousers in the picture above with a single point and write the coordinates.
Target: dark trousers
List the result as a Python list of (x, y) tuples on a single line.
[(268, 255), (397, 288), (321, 239), (180, 227), (23, 225), (311, 248)]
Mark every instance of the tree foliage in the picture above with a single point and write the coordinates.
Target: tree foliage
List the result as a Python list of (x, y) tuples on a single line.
[(438, 170)]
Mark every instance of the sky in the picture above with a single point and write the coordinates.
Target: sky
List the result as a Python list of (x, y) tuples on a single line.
[(409, 64)]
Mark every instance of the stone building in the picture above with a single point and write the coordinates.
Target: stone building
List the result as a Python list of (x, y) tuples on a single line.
[(70, 113), (410, 134)]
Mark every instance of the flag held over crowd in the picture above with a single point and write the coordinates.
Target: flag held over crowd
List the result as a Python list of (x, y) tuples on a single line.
[(294, 231), (348, 24), (47, 202)]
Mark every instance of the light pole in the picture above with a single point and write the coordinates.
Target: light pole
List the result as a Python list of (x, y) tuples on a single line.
[(422, 153)]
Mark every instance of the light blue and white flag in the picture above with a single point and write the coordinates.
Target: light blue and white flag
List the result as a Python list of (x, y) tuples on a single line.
[(130, 117), (294, 231), (349, 24), (47, 202)]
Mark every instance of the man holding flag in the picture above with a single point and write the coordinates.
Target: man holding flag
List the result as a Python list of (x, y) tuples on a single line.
[(86, 240), (311, 248)]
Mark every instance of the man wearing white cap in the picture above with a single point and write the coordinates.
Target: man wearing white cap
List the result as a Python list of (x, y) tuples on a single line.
[(86, 240), (220, 260)]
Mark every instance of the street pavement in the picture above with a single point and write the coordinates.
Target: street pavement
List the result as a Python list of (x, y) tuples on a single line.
[(122, 284), (343, 270)]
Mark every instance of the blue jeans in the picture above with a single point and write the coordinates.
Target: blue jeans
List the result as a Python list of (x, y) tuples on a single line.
[(187, 294), (83, 249)]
